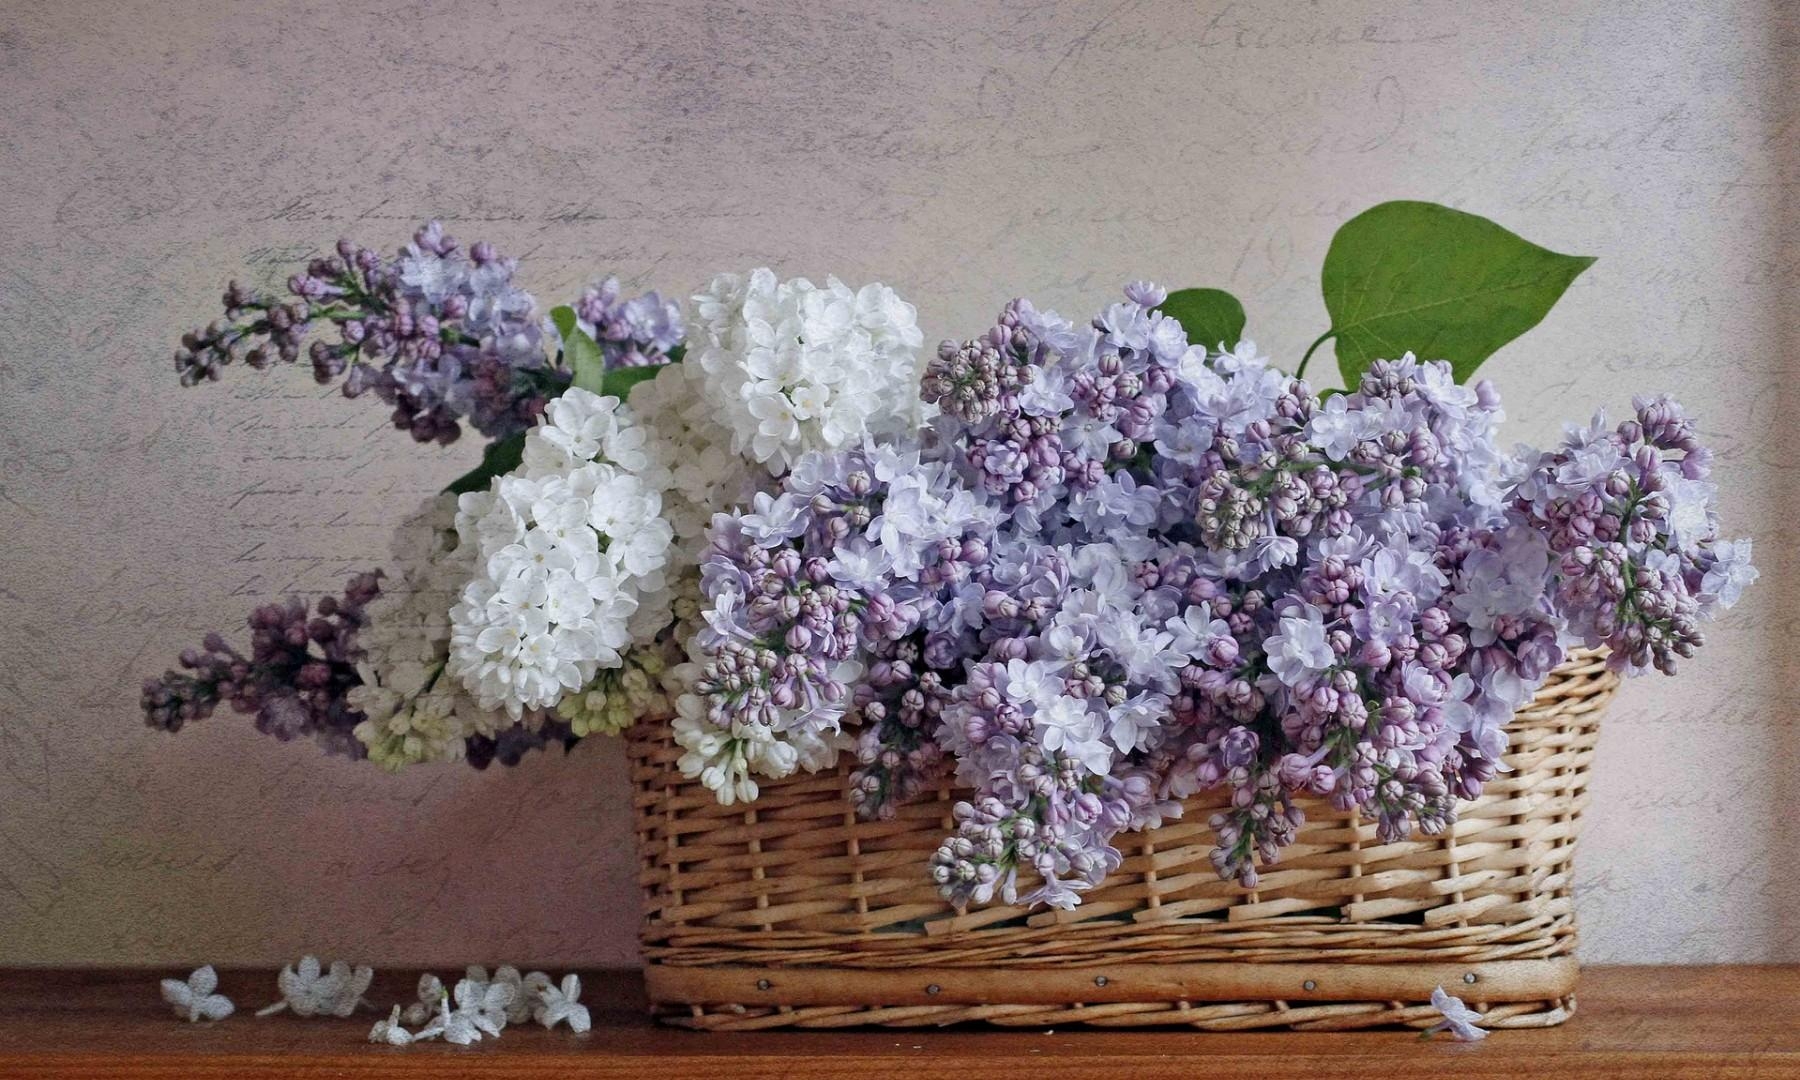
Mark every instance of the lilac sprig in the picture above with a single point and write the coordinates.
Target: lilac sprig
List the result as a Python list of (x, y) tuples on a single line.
[(300, 678), (643, 331), (833, 576), (294, 679), (435, 332), (441, 334), (1629, 514)]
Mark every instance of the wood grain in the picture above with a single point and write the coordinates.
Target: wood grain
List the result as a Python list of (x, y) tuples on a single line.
[(1704, 1022)]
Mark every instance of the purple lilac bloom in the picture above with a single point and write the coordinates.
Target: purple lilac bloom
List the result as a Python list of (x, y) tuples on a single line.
[(1189, 574), (440, 334), (1628, 515), (294, 679), (297, 676), (823, 588), (643, 331)]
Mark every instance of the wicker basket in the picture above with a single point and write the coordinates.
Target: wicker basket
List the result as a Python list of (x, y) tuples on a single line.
[(791, 912)]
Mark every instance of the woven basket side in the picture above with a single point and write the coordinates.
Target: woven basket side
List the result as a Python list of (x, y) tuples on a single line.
[(795, 881)]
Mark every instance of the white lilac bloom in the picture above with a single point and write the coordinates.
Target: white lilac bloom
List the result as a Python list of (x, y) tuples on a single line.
[(453, 1026), (308, 989), (790, 366), (518, 1007), (1458, 1019), (562, 1004), (1298, 649), (569, 553), (485, 1003), (705, 474), (197, 997), (414, 710), (480, 1009), (391, 1031)]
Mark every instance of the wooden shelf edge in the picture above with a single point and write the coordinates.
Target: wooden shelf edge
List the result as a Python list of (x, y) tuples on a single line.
[(1711, 1022)]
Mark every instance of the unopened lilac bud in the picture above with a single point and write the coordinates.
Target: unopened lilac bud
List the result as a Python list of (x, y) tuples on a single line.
[(786, 563)]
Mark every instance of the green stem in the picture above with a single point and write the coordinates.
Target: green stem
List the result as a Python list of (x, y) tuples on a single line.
[(1310, 349)]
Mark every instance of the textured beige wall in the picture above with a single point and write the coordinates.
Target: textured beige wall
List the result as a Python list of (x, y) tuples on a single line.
[(963, 152)]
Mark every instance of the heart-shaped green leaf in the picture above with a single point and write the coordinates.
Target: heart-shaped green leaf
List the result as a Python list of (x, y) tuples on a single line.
[(1444, 285), (1211, 317)]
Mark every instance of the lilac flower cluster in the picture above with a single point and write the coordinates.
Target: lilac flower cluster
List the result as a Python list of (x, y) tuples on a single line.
[(1629, 514), (443, 336), (1120, 569), (301, 665), (841, 573), (440, 334), (644, 331)]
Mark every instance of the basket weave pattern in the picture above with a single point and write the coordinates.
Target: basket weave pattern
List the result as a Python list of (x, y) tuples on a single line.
[(791, 912)]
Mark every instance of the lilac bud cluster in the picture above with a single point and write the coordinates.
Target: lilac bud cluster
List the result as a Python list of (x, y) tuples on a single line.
[(643, 331), (301, 664), (440, 334), (900, 703), (1629, 514), (995, 409)]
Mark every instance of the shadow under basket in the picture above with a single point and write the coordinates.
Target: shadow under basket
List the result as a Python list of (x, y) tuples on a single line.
[(790, 912)]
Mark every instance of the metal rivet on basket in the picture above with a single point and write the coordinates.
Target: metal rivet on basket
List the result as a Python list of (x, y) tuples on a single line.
[(1309, 985), (1099, 980), (1469, 978), (762, 984), (933, 988)]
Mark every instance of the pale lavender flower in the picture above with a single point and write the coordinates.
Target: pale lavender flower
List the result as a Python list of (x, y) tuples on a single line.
[(1730, 574), (1121, 569), (1298, 647), (1458, 1019), (197, 997)]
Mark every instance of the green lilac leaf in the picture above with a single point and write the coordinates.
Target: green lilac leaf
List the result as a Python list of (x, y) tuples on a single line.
[(619, 381), (564, 319), (586, 363), (1211, 317), (1444, 285), (498, 459)]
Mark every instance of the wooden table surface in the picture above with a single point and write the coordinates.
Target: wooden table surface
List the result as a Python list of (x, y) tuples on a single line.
[(1648, 1023)]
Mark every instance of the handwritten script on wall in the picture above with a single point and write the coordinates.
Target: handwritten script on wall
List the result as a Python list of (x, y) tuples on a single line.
[(963, 153)]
